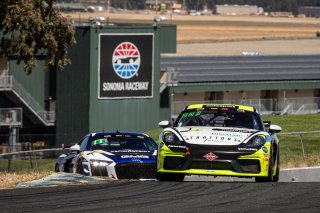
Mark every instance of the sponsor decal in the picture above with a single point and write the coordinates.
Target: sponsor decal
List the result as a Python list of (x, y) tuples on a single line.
[(187, 151), (136, 160), (247, 149), (235, 130), (209, 137), (216, 138), (134, 156), (128, 150), (221, 106), (191, 114), (210, 156), (125, 66), (176, 146)]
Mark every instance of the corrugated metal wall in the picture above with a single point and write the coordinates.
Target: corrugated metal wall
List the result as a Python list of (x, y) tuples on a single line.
[(168, 38), (72, 118)]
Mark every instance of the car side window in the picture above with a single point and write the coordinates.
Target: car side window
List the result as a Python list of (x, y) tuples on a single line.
[(84, 143)]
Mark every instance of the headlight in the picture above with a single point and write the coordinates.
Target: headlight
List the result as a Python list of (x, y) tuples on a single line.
[(256, 141), (170, 137), (97, 163)]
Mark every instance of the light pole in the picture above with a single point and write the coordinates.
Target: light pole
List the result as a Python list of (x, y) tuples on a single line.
[(157, 8)]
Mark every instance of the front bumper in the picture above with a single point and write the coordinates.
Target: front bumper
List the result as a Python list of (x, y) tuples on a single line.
[(232, 162), (124, 170)]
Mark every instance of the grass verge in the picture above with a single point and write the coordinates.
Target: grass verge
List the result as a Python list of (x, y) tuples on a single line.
[(11, 179), (23, 171)]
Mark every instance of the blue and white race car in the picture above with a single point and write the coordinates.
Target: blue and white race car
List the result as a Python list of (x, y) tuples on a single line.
[(119, 155)]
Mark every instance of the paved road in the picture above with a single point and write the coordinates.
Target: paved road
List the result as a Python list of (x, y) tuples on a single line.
[(151, 196)]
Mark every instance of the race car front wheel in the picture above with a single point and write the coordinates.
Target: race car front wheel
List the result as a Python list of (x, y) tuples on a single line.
[(170, 177), (56, 168), (270, 177), (276, 177), (79, 168)]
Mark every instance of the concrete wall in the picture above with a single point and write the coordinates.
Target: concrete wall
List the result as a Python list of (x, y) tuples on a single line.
[(196, 96), (299, 93)]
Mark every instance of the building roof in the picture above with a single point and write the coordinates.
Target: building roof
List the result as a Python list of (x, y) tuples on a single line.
[(243, 68)]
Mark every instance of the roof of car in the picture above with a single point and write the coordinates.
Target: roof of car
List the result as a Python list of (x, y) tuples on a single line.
[(119, 133), (240, 107)]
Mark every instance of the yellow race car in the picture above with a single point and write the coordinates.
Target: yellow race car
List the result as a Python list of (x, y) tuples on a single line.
[(218, 140)]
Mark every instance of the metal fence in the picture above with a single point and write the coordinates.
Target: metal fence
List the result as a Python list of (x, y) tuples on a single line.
[(264, 106), (31, 152), (303, 105), (34, 159), (299, 149)]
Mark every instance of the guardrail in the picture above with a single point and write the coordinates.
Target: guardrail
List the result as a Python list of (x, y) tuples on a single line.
[(33, 151), (302, 105), (30, 155)]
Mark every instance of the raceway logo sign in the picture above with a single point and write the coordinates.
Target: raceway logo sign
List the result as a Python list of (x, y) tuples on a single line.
[(125, 66), (126, 60)]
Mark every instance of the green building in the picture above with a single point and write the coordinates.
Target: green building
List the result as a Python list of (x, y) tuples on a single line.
[(112, 84)]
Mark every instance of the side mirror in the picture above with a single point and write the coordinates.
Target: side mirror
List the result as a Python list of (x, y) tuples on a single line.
[(75, 147), (267, 123), (274, 128), (163, 124)]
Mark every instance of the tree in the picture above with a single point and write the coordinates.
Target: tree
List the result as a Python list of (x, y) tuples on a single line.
[(29, 28)]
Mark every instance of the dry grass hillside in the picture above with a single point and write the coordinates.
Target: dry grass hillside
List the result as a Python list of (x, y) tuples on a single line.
[(195, 29), (230, 35)]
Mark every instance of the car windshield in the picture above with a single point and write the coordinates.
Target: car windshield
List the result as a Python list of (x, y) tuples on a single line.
[(123, 142), (218, 118)]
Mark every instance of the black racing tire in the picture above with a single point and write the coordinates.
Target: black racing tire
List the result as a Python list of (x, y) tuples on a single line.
[(270, 170), (277, 175), (173, 177), (56, 168), (79, 168)]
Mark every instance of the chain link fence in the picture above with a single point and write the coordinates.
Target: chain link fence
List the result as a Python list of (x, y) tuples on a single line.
[(299, 149), (32, 152)]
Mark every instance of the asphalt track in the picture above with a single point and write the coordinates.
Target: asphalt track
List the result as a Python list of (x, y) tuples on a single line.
[(152, 196)]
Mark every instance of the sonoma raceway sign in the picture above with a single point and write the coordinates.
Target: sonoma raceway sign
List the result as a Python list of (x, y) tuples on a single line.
[(125, 66)]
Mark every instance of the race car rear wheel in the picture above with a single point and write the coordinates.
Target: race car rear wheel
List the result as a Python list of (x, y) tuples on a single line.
[(170, 177)]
